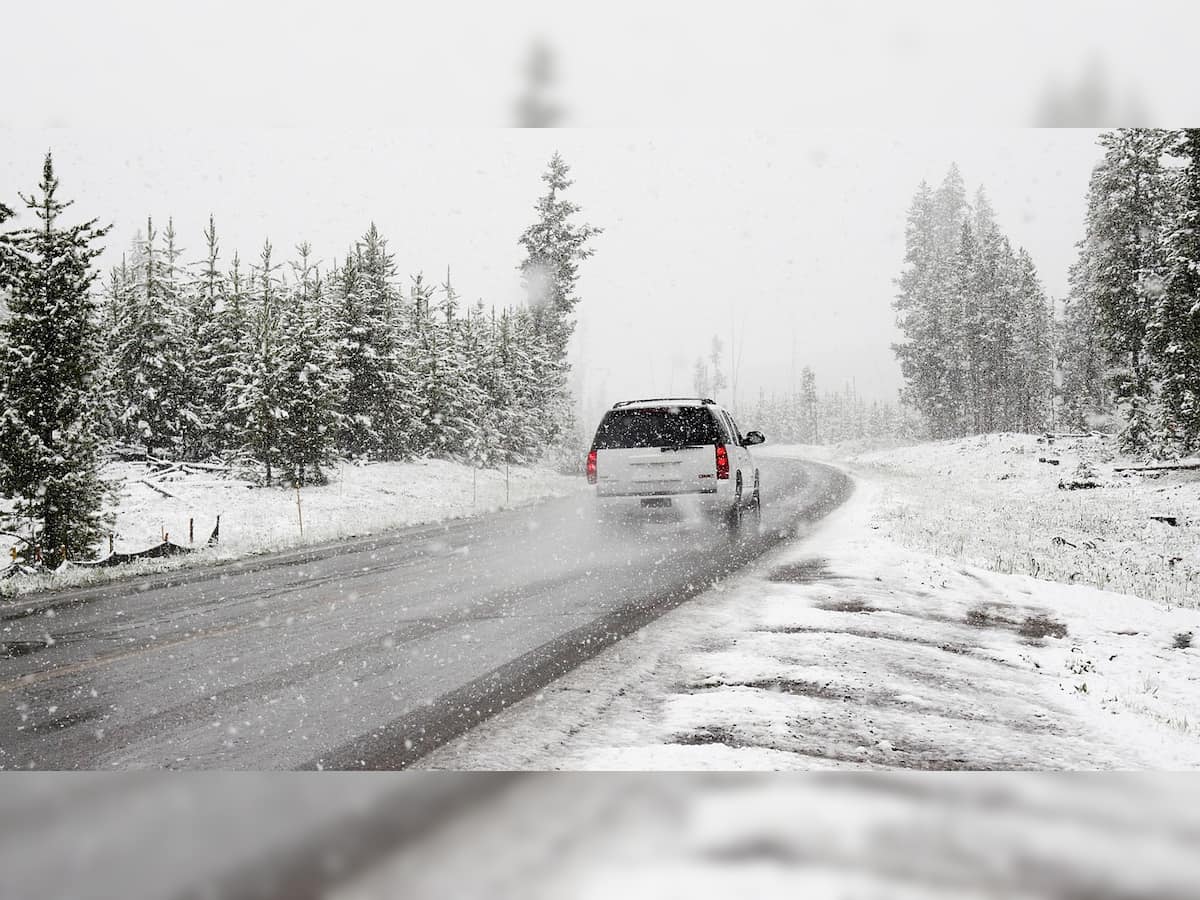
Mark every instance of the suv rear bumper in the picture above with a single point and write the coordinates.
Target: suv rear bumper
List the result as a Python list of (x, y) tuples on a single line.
[(627, 491), (686, 503)]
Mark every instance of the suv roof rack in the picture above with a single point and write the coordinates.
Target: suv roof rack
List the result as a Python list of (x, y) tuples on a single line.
[(621, 403)]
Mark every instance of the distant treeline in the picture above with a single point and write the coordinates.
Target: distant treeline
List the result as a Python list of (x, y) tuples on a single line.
[(982, 348), (806, 416)]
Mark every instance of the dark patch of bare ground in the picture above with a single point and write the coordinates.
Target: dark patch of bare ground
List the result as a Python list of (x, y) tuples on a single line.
[(853, 605), (1032, 627), (870, 634), (908, 754), (802, 572)]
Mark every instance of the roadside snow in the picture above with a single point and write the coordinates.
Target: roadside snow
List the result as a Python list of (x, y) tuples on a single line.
[(848, 650), (995, 501), (359, 500)]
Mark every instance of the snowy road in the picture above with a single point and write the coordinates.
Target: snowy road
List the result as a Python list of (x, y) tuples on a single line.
[(367, 657)]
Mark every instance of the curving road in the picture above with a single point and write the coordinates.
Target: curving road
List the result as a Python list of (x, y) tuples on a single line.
[(365, 654)]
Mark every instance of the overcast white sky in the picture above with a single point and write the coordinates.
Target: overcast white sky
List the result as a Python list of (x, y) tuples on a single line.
[(786, 235), (751, 222), (623, 62)]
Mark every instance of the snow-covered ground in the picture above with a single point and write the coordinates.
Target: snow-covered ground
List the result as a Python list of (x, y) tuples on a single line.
[(849, 649), (995, 501), (358, 500)]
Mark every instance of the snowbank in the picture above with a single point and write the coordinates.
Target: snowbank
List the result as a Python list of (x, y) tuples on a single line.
[(359, 500)]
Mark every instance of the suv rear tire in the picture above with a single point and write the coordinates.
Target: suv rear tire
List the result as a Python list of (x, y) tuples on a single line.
[(733, 517)]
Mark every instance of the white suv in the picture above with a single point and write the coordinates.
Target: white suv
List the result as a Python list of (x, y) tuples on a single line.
[(675, 451)]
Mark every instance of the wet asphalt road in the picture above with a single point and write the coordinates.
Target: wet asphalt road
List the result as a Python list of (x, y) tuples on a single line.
[(363, 655)]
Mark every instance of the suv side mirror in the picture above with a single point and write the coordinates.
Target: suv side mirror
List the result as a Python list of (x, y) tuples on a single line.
[(752, 438)]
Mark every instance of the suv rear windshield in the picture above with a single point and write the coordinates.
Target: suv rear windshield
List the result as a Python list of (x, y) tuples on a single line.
[(666, 426)]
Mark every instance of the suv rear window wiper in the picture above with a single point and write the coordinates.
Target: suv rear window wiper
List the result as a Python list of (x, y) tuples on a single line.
[(678, 447)]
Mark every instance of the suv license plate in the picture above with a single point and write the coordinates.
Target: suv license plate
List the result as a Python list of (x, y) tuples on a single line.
[(656, 501)]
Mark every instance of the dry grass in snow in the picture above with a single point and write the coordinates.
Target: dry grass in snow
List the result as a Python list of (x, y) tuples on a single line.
[(992, 501)]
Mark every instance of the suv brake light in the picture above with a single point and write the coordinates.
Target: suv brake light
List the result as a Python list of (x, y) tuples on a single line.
[(722, 462), (591, 467)]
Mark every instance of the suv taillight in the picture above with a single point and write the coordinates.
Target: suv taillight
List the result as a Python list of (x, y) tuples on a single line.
[(591, 467), (722, 462)]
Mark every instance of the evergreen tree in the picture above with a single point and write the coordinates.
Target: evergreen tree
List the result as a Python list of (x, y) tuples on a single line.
[(262, 393), (307, 379), (1033, 363), (373, 354), (1120, 265), (116, 315), (450, 400), (927, 308), (49, 453), (554, 246), (421, 350), (1082, 354), (153, 352), (229, 368), (480, 370), (518, 421), (1175, 317), (204, 389)]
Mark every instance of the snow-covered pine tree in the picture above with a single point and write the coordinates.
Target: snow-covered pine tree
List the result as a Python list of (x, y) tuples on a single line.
[(421, 353), (925, 303), (554, 246), (392, 399), (356, 363), (117, 308), (307, 379), (479, 368), (153, 354), (490, 374), (204, 390), (1032, 371), (519, 424), (1120, 263), (230, 365), (448, 391), (989, 323), (49, 450), (372, 350), (1174, 329), (1082, 355), (261, 393)]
